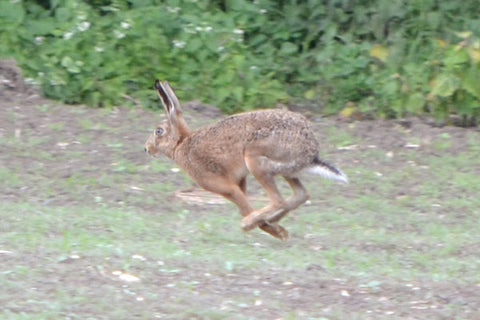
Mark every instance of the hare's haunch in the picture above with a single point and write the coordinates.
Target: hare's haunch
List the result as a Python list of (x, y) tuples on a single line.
[(264, 143)]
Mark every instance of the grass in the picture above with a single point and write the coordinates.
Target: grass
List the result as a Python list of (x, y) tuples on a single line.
[(9, 178), (59, 126), (405, 230), (87, 124)]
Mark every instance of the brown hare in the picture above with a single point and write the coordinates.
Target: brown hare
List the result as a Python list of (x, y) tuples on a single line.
[(218, 157)]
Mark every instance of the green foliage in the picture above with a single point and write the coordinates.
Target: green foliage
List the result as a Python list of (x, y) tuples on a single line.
[(97, 55), (443, 82), (381, 57)]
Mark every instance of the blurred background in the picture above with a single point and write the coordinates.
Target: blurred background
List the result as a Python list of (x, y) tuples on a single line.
[(387, 58)]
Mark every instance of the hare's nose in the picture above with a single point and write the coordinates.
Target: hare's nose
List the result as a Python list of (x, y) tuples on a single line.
[(145, 149)]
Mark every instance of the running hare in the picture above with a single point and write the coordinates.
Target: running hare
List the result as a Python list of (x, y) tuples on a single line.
[(265, 143)]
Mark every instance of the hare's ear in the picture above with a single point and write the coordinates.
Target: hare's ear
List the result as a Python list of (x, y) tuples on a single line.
[(175, 112), (164, 97), (173, 98)]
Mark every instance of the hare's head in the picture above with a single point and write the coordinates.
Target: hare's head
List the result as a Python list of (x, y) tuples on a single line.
[(168, 134)]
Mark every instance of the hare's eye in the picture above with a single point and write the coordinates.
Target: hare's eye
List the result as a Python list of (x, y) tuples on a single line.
[(159, 132)]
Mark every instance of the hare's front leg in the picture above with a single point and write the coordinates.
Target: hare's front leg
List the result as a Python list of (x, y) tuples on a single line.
[(236, 193)]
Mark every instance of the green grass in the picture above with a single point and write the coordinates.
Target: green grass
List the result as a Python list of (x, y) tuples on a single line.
[(59, 126), (411, 219), (88, 124), (8, 178), (339, 138)]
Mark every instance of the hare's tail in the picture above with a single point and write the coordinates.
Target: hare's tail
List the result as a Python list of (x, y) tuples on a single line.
[(326, 170)]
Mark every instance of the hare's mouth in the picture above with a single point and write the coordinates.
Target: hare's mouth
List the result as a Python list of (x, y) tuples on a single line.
[(149, 150), (153, 155)]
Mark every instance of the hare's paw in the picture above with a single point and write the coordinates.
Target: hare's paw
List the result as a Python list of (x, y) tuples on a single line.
[(275, 230), (260, 216)]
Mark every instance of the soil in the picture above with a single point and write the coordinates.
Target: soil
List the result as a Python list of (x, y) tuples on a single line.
[(22, 103)]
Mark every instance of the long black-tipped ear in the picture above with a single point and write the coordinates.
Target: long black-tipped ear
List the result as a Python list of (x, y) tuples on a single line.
[(171, 104), (174, 112), (173, 98), (164, 97)]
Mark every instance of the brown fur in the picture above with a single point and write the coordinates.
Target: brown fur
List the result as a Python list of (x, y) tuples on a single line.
[(265, 143)]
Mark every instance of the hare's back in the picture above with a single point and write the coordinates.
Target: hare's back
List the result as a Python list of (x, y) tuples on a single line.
[(277, 134), (281, 138)]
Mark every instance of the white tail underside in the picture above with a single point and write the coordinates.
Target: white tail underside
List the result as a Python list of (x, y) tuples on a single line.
[(326, 173)]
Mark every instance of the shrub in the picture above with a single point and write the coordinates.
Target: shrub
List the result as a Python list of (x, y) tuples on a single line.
[(81, 55), (380, 57)]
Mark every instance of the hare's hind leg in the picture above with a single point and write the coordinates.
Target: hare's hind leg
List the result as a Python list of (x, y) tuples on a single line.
[(259, 167), (300, 196), (271, 217), (273, 228)]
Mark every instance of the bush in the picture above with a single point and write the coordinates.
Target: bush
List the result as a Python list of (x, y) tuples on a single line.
[(380, 57), (80, 54)]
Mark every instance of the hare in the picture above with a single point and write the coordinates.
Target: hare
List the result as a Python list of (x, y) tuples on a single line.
[(219, 157)]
